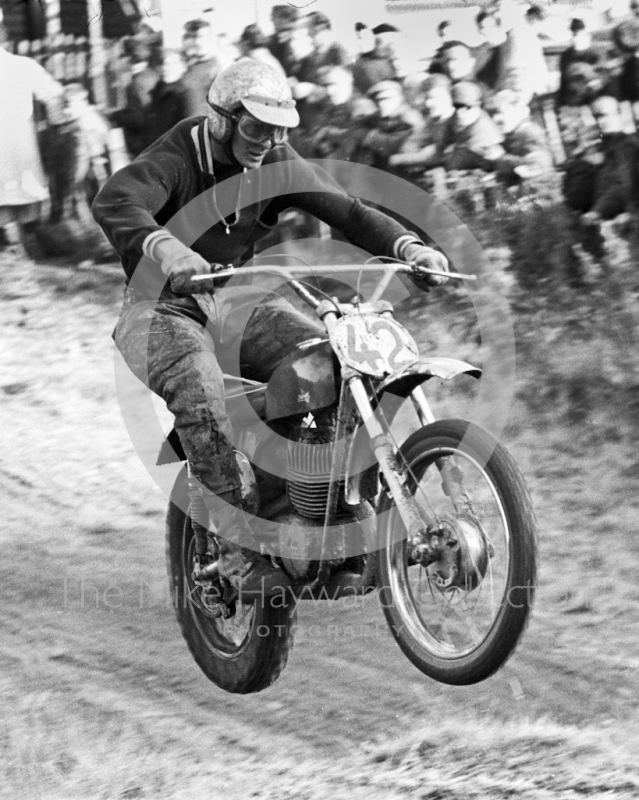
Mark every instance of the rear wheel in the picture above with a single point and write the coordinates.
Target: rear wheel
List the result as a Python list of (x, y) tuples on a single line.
[(242, 654), (461, 629)]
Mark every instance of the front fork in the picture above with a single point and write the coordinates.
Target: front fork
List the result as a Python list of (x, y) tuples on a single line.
[(428, 540), (386, 456), (450, 473)]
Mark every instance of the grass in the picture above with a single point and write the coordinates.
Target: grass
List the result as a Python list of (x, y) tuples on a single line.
[(58, 744)]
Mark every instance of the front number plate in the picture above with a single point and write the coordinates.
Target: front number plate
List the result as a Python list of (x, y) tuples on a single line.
[(373, 345)]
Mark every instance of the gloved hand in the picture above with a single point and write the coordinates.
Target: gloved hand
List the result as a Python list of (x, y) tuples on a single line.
[(419, 255), (181, 267)]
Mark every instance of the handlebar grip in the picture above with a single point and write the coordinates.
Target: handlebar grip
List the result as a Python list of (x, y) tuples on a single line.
[(217, 271)]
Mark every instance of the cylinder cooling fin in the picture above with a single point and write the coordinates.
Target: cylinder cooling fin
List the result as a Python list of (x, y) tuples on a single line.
[(308, 472)]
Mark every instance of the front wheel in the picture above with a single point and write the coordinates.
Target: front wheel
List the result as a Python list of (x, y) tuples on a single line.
[(242, 654), (460, 630)]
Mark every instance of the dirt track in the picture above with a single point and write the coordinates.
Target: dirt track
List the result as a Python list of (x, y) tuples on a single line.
[(101, 698)]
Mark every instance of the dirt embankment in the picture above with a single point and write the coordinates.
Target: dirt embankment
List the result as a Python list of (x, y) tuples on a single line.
[(100, 699)]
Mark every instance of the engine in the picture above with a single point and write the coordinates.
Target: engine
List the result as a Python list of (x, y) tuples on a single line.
[(309, 469)]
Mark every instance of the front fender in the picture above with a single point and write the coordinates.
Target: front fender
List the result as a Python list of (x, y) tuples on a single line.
[(403, 381)]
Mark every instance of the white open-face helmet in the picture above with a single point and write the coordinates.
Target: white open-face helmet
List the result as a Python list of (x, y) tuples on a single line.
[(254, 86)]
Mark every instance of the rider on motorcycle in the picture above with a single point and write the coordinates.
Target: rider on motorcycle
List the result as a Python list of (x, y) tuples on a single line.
[(168, 342)]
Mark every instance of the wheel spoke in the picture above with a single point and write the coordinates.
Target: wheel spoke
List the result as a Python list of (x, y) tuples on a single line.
[(458, 618), (481, 531)]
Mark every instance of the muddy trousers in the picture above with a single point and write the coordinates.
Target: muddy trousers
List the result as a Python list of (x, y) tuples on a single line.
[(181, 356)]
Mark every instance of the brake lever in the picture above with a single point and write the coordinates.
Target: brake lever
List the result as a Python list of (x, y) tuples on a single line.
[(415, 269)]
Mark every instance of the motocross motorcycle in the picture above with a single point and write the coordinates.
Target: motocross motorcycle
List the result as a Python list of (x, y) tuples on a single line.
[(441, 526)]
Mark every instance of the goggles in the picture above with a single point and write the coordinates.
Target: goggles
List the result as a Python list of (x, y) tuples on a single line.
[(253, 130)]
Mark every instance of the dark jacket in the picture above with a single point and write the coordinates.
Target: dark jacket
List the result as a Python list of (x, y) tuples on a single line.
[(169, 104), (568, 57), (487, 65), (342, 131), (526, 145), (617, 183), (629, 80), (403, 133), (608, 185), (476, 146), (148, 194), (133, 118), (371, 68), (279, 45)]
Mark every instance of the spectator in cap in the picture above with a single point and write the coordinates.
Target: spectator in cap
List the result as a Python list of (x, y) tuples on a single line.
[(476, 140), (150, 30), (343, 116), (527, 150), (204, 62), (169, 98), (303, 78), (623, 35), (389, 98), (371, 65), (466, 95), (328, 51), (437, 107), (455, 61), (285, 19), (307, 93), (313, 48), (442, 33), (628, 40), (134, 117), (437, 100), (487, 54), (617, 180), (516, 61), (579, 51), (398, 128), (92, 138), (340, 91), (253, 43), (386, 37), (582, 84), (605, 183), (393, 43)]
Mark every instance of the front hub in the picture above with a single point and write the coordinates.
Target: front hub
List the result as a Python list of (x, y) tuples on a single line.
[(455, 551)]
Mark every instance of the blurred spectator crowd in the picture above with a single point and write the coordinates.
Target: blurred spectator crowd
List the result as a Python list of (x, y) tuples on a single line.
[(489, 116)]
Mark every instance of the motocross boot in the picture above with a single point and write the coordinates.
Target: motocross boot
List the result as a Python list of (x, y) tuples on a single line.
[(240, 563)]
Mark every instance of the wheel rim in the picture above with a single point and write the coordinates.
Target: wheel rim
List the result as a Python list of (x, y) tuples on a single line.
[(226, 638), (453, 622)]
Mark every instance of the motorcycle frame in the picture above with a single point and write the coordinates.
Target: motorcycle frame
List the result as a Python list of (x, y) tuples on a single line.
[(404, 382)]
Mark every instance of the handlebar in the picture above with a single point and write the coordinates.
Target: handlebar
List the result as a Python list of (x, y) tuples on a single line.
[(219, 271), (226, 272)]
